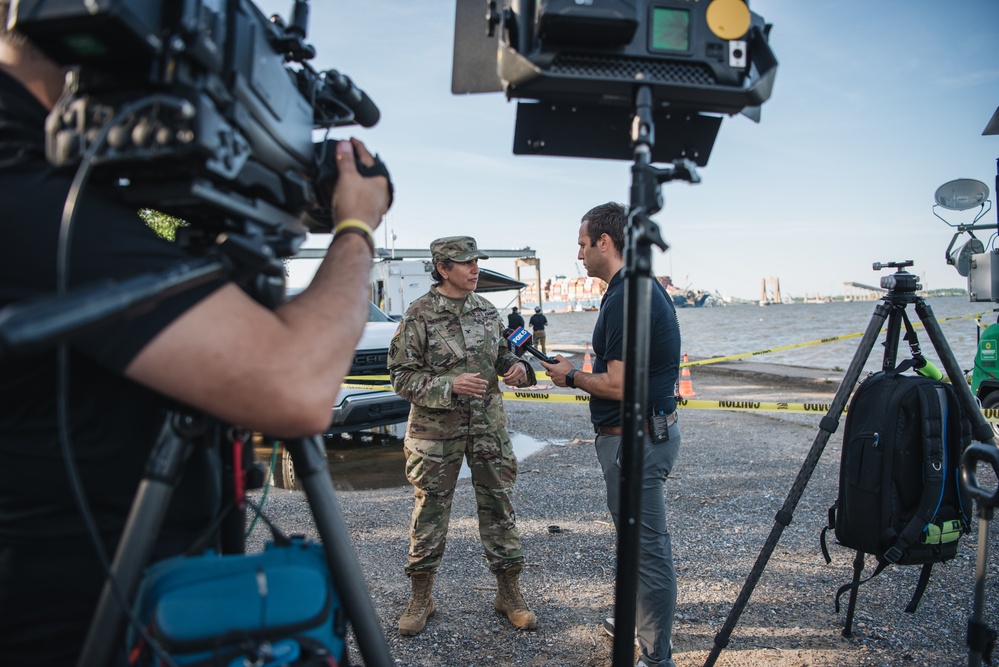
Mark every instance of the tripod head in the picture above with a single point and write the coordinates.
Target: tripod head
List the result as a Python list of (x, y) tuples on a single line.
[(901, 284)]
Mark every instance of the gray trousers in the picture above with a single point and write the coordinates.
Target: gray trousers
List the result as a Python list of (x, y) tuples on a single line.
[(656, 599)]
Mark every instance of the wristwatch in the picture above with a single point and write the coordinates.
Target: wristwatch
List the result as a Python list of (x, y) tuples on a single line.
[(570, 381)]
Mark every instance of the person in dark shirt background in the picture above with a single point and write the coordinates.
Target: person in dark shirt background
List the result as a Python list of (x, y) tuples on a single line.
[(515, 319), (538, 324)]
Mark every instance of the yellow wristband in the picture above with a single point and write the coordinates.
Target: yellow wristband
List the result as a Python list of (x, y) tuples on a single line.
[(353, 225)]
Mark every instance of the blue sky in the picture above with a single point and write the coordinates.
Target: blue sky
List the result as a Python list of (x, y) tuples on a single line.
[(875, 105)]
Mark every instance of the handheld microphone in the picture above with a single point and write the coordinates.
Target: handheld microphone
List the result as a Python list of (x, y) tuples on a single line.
[(520, 338)]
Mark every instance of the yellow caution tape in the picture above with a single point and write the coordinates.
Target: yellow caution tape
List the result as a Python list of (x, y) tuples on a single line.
[(545, 396), (748, 406), (743, 355), (376, 387), (762, 406), (542, 396), (991, 415)]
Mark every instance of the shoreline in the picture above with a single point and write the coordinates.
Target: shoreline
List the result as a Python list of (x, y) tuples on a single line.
[(733, 475)]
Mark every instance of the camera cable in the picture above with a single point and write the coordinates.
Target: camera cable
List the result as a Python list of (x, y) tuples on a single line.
[(77, 187)]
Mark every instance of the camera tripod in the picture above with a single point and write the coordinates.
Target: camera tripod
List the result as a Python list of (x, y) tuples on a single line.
[(902, 288), (44, 322)]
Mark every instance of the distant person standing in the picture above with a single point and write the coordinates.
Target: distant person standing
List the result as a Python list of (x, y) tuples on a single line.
[(538, 324), (601, 248), (445, 360), (515, 319)]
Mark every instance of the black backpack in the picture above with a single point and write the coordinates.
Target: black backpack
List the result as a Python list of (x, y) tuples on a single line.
[(900, 496)]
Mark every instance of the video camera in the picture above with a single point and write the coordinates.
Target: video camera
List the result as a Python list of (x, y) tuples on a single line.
[(203, 109), (583, 61)]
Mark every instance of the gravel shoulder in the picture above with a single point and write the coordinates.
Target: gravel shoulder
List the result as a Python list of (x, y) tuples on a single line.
[(735, 472)]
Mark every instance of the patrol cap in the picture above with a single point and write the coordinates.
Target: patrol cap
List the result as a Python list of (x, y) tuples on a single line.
[(537, 309), (456, 248)]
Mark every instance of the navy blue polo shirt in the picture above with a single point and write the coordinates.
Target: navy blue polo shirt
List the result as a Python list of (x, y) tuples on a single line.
[(664, 350)]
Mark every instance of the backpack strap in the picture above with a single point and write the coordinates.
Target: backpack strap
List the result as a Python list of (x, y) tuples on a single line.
[(917, 595), (932, 416), (882, 564), (822, 536), (910, 338)]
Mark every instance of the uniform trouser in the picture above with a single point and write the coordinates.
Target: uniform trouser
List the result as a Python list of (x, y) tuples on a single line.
[(432, 468), (539, 341), (656, 596)]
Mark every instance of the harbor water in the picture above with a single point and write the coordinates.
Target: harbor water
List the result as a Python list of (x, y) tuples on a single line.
[(712, 332), (707, 333)]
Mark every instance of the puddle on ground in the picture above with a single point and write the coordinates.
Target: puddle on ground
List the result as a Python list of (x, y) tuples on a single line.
[(375, 460)]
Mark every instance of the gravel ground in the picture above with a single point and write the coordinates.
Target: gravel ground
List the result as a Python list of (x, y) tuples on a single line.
[(735, 472)]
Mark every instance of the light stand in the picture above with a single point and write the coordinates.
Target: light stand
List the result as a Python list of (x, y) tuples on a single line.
[(640, 235)]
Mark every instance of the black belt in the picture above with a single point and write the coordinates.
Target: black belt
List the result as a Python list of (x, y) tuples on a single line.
[(618, 429)]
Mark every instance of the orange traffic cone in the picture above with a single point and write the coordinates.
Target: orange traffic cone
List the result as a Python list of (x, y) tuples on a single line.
[(686, 386), (587, 364)]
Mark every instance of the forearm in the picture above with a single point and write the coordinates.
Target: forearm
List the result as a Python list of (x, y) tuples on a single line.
[(421, 388), (601, 385), (324, 322), (273, 371), (277, 371)]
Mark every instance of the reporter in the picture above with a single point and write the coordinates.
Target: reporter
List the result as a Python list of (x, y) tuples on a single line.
[(212, 348)]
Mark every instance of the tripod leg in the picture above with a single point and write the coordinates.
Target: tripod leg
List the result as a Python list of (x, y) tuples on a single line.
[(980, 428), (311, 469), (858, 569), (827, 427), (136, 545)]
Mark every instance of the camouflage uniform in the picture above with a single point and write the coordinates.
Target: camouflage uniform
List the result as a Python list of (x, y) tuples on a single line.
[(440, 338)]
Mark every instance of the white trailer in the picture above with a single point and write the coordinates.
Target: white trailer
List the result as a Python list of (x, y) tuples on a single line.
[(397, 283)]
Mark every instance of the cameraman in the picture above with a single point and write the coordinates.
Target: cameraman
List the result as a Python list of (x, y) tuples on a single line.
[(212, 348)]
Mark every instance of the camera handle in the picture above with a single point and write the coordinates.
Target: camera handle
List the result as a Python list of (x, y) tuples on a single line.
[(890, 307), (641, 234)]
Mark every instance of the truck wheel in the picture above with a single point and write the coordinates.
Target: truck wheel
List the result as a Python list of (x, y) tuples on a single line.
[(284, 473), (991, 402)]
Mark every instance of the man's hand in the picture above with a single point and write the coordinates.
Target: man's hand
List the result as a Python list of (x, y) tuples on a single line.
[(469, 384), (356, 196), (558, 370), (516, 375)]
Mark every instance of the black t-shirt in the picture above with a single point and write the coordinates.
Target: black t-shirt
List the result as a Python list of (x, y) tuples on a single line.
[(49, 575), (664, 350), (538, 322), (514, 320)]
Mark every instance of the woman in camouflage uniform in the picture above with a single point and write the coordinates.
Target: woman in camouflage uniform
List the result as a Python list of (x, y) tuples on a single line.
[(445, 360)]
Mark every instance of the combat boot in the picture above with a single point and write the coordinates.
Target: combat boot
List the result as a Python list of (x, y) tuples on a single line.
[(421, 605), (509, 600)]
